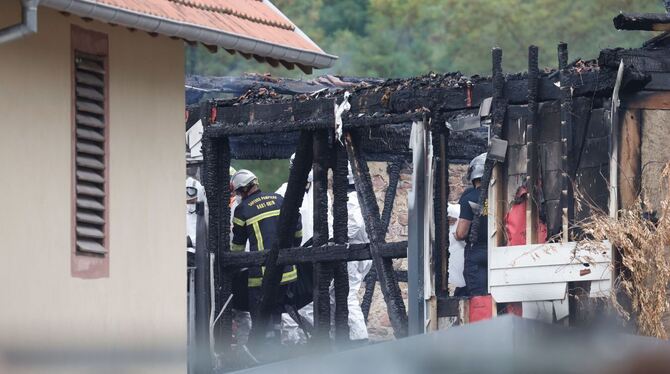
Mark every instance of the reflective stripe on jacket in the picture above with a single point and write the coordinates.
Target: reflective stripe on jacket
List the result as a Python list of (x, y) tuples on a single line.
[(255, 219)]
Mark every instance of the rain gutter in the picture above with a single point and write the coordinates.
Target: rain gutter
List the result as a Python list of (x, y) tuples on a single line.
[(27, 26), (188, 31)]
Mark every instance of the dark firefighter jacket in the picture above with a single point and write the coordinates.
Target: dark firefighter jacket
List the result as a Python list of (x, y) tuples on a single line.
[(255, 219)]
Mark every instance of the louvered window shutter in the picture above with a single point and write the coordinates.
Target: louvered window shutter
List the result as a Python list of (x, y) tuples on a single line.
[(90, 154)]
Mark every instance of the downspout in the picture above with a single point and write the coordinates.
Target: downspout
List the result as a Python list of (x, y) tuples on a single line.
[(27, 26)]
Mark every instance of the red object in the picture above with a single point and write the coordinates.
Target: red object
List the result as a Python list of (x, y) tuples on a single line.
[(212, 115), (481, 308), (515, 221), (514, 309)]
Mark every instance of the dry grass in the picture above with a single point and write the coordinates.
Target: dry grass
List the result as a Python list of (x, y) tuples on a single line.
[(642, 245)]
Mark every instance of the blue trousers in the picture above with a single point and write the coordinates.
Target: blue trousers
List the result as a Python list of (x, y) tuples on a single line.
[(475, 270)]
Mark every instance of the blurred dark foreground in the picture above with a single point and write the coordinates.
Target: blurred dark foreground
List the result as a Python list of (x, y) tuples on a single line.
[(503, 345)]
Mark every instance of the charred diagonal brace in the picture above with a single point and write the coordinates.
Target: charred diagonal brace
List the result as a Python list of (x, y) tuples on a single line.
[(326, 253), (341, 236), (288, 219), (393, 170), (323, 271), (370, 210), (498, 117)]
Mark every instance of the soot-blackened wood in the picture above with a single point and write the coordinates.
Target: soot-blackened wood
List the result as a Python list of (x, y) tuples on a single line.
[(370, 210), (642, 21), (341, 236), (328, 253), (566, 140), (216, 157), (288, 220), (323, 272), (531, 167), (440, 185), (393, 170), (498, 118)]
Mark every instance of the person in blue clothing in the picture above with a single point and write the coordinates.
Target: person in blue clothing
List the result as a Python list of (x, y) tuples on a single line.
[(255, 221), (475, 268)]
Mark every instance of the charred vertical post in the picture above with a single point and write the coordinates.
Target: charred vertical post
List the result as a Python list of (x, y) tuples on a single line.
[(566, 138), (498, 117), (341, 236), (531, 170), (288, 220), (323, 272), (370, 210), (440, 196)]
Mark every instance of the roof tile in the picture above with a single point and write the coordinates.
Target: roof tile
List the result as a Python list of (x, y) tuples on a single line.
[(251, 18)]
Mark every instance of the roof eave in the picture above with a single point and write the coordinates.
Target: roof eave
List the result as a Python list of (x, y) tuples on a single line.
[(191, 32)]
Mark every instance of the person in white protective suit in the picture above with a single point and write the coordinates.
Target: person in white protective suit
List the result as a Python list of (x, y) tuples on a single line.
[(194, 193), (456, 251), (357, 270)]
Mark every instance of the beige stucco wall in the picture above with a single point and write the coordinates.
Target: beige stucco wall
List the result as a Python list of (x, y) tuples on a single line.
[(143, 301)]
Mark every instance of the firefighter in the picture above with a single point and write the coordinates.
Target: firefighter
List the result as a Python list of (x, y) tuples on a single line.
[(255, 220), (476, 251)]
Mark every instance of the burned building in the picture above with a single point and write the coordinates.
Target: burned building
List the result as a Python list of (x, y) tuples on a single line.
[(581, 138)]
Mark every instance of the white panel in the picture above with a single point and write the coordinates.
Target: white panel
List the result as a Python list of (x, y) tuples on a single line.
[(539, 310), (549, 274), (547, 254), (601, 288), (561, 308), (529, 292)]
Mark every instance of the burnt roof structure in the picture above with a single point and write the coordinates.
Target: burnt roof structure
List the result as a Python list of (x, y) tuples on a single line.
[(552, 105)]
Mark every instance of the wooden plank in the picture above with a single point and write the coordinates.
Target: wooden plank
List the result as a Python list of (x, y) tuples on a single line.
[(550, 274), (529, 292), (549, 254), (630, 158)]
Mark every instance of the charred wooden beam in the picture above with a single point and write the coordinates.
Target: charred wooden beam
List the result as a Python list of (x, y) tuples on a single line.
[(498, 117), (340, 236), (216, 153), (318, 120), (566, 142), (374, 107), (288, 219), (370, 210), (393, 170), (531, 159), (325, 253), (642, 21), (323, 271), (440, 200)]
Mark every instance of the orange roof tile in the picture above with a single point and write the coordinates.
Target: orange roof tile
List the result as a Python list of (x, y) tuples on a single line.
[(250, 26)]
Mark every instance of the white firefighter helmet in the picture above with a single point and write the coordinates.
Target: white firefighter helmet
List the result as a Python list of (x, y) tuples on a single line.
[(476, 169), (243, 178)]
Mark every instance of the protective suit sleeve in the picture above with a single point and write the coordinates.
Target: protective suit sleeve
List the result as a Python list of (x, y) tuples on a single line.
[(239, 231)]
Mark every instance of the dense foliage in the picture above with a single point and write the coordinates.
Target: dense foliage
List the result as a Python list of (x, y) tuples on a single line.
[(399, 38)]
